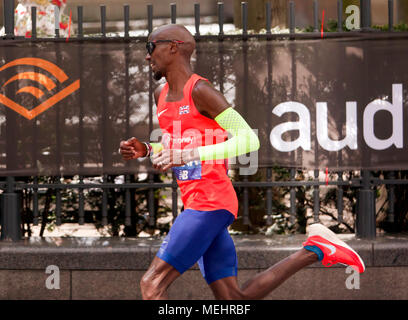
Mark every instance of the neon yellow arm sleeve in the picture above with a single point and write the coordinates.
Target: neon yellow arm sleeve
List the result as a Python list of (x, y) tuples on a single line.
[(243, 139), (157, 147)]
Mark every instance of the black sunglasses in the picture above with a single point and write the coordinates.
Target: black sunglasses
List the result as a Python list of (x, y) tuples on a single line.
[(151, 45)]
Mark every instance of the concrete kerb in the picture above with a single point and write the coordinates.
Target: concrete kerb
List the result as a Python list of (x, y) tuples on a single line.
[(105, 268)]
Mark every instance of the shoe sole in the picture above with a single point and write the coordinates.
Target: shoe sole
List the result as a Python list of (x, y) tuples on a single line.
[(318, 229)]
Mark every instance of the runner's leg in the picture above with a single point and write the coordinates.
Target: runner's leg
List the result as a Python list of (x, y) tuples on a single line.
[(189, 238), (265, 282), (157, 279)]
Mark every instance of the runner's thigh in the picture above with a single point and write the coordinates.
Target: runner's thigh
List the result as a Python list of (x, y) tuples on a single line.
[(191, 235), (220, 259)]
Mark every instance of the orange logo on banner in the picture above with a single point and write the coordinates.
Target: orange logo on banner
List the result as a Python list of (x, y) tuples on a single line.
[(40, 78)]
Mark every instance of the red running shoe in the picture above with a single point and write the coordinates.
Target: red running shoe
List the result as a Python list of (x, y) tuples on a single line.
[(332, 249)]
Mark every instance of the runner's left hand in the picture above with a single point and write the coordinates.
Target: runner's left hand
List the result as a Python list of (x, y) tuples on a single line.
[(168, 158)]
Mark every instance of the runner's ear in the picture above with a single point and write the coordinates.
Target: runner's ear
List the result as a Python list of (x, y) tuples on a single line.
[(173, 47)]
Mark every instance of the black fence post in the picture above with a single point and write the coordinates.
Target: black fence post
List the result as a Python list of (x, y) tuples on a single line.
[(340, 193), (315, 16), (173, 9), (316, 197), (149, 18), (80, 22), (8, 6), (197, 19), (391, 199), (390, 15), (10, 200), (10, 213), (103, 20), (244, 17), (126, 14), (292, 193), (339, 15), (291, 17), (220, 20), (365, 10), (365, 221), (33, 22)]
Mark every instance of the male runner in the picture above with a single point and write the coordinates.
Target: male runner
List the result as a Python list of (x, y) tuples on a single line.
[(195, 119)]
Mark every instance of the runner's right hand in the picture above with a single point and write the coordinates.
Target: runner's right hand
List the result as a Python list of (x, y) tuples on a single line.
[(132, 149)]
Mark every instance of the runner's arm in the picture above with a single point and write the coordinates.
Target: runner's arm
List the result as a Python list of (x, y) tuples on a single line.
[(133, 148), (156, 147), (243, 138), (211, 103)]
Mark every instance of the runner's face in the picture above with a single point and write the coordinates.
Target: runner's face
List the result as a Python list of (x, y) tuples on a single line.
[(157, 58)]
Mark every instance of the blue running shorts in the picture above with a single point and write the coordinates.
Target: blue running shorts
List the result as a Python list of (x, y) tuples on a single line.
[(203, 237)]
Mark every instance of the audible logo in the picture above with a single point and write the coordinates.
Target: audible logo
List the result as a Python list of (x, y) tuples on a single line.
[(39, 78)]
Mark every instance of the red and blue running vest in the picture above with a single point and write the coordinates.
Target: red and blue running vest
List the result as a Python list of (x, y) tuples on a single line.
[(204, 185)]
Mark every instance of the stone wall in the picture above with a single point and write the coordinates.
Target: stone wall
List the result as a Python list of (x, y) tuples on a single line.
[(104, 268)]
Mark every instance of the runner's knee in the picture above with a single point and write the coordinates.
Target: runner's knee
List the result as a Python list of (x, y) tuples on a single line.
[(151, 287)]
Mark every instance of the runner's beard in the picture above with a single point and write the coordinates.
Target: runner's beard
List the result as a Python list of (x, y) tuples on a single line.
[(157, 75)]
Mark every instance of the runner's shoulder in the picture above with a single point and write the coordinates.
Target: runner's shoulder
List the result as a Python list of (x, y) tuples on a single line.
[(202, 88)]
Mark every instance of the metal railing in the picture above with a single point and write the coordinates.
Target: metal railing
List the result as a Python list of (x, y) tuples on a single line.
[(366, 218), (365, 13)]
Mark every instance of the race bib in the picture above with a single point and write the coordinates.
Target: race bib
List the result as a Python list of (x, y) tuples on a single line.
[(190, 171)]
